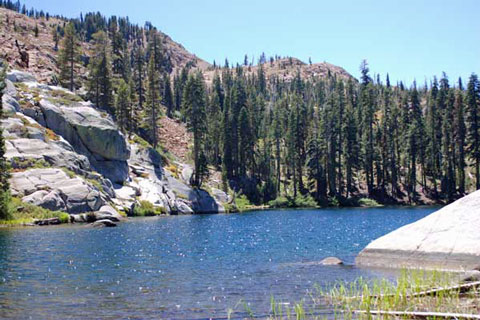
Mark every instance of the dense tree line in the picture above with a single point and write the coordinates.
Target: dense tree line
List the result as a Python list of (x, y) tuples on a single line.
[(331, 139)]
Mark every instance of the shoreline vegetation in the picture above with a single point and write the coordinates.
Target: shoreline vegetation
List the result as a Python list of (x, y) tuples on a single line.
[(26, 214), (415, 294)]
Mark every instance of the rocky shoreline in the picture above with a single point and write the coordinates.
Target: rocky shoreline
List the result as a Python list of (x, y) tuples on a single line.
[(68, 155)]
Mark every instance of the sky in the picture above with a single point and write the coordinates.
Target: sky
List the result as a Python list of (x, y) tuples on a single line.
[(408, 39)]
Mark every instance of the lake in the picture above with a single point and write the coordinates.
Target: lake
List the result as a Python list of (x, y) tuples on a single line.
[(185, 267)]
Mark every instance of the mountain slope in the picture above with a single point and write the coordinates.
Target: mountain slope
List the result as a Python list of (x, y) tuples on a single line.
[(42, 54), (41, 48)]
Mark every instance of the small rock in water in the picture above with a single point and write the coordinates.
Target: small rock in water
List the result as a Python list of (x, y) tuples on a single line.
[(104, 223), (331, 261)]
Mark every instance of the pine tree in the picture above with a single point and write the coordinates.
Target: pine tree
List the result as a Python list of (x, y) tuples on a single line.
[(100, 74), (473, 125), (316, 172), (414, 141), (55, 38), (434, 137), (68, 56), (153, 101), (167, 95), (368, 111), (194, 106), (123, 107), (245, 136), (138, 75), (460, 134)]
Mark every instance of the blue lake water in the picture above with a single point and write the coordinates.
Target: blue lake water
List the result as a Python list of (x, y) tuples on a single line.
[(185, 267)]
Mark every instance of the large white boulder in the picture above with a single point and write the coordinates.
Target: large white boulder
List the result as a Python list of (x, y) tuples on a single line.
[(83, 123), (447, 239)]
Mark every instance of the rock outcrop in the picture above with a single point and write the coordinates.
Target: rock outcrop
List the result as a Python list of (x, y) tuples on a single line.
[(447, 239), (54, 189), (69, 156)]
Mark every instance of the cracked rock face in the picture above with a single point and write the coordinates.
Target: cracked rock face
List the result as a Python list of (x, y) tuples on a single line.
[(447, 239), (55, 190), (48, 134)]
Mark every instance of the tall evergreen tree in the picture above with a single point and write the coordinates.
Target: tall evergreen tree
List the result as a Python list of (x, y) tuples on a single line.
[(153, 101), (473, 125), (139, 75), (195, 109), (123, 107), (68, 56), (460, 135), (167, 94), (100, 74)]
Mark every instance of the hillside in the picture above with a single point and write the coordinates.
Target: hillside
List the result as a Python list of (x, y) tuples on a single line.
[(41, 49), (42, 54)]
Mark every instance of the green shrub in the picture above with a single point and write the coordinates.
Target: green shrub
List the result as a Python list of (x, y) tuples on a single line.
[(279, 202), (22, 212), (300, 201), (242, 203), (230, 208), (367, 202), (64, 217), (306, 201), (334, 202), (146, 208)]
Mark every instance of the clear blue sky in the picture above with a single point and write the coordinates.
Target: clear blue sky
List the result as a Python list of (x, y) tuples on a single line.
[(409, 39)]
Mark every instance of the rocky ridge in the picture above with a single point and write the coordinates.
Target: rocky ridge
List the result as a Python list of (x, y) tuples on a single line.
[(68, 155)]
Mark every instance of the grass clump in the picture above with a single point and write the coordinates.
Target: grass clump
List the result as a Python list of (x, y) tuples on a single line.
[(140, 141), (364, 299), (96, 184), (63, 97), (21, 164), (406, 294), (26, 213), (145, 208), (173, 170), (69, 173)]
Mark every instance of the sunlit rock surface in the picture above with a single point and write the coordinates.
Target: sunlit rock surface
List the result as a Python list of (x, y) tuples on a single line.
[(447, 239)]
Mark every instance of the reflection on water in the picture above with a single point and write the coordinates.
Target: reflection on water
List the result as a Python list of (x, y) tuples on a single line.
[(187, 267)]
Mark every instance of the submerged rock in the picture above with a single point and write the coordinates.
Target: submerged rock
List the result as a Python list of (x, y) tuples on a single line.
[(447, 239), (331, 261), (104, 223)]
